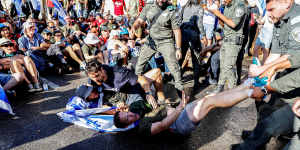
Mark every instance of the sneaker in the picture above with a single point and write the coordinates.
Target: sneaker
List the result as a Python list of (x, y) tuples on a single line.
[(83, 66), (30, 88), (38, 87), (218, 89)]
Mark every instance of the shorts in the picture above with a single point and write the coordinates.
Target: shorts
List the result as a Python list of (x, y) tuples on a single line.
[(4, 78), (209, 30), (183, 125)]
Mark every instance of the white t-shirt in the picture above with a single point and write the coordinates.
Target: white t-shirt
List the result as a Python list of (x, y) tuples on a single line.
[(208, 17)]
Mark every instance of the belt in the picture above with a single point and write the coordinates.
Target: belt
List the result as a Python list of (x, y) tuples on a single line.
[(229, 40)]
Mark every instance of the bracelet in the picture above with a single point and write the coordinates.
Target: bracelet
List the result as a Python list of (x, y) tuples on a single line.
[(178, 48)]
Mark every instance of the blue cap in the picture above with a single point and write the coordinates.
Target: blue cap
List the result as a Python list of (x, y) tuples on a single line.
[(3, 25), (124, 31)]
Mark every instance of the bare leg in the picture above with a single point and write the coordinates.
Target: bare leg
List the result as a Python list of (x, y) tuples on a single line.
[(14, 81), (16, 67), (73, 55), (266, 54), (76, 48), (31, 68), (199, 109), (155, 76)]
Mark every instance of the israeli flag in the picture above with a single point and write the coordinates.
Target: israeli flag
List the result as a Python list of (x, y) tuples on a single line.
[(261, 5), (82, 114), (36, 4), (18, 4), (4, 103), (60, 11)]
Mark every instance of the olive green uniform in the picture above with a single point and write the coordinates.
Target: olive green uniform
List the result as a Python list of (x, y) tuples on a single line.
[(279, 119), (236, 11), (89, 51), (286, 40), (161, 39)]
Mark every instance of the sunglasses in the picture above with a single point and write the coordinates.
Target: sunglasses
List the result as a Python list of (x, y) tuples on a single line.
[(52, 27), (58, 35), (8, 45)]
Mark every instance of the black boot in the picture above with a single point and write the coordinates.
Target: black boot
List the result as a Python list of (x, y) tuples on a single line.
[(218, 89)]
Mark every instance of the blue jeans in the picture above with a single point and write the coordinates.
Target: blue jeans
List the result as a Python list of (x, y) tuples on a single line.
[(4, 78)]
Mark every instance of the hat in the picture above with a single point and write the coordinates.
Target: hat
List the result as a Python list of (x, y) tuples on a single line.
[(46, 31), (4, 41), (84, 91), (124, 31), (28, 25), (99, 14), (91, 38), (3, 26), (119, 18), (22, 15), (55, 17), (114, 33)]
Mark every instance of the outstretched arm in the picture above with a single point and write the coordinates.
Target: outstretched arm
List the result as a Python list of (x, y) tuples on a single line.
[(157, 127)]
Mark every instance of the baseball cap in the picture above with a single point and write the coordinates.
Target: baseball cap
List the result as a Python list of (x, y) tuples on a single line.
[(4, 41)]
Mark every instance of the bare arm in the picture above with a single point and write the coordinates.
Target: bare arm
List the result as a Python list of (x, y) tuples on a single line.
[(145, 84), (178, 37), (157, 127), (226, 20)]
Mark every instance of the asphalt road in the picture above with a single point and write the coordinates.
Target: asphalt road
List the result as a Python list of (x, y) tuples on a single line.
[(36, 126)]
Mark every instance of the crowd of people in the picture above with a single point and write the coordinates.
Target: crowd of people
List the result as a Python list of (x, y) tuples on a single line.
[(130, 52)]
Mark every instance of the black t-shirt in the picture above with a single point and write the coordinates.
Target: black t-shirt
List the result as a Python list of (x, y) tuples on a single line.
[(120, 79)]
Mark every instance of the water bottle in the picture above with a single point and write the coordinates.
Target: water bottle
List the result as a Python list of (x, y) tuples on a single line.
[(45, 86)]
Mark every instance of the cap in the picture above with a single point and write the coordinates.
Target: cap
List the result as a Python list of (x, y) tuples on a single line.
[(46, 31), (99, 14), (4, 41), (3, 26), (91, 38), (124, 31), (28, 25), (119, 18), (84, 91)]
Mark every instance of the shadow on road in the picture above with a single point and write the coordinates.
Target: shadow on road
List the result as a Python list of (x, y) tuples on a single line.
[(34, 120)]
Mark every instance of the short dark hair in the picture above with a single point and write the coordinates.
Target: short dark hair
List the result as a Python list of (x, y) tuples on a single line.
[(93, 66), (118, 122)]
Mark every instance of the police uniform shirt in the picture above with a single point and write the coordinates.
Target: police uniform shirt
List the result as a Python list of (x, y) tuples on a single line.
[(286, 40), (162, 22), (236, 11), (193, 16), (286, 36)]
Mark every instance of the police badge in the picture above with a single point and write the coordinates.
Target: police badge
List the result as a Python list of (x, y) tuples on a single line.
[(296, 34)]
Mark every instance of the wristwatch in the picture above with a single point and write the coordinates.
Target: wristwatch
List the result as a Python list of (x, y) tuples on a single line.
[(264, 90)]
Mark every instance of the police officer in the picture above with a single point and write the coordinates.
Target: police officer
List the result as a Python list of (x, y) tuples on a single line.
[(235, 13), (192, 31), (286, 87), (164, 22)]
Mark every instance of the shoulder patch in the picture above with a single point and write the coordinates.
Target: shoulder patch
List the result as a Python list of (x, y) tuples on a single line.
[(296, 34), (239, 12), (295, 20)]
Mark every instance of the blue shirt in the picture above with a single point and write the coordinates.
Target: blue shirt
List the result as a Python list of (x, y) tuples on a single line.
[(24, 41)]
